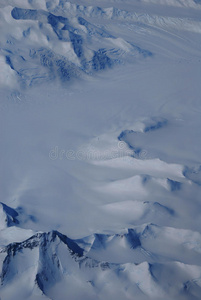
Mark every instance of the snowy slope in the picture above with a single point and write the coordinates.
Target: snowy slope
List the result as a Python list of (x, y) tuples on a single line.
[(100, 150)]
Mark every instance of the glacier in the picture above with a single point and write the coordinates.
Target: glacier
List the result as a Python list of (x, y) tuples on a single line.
[(100, 149)]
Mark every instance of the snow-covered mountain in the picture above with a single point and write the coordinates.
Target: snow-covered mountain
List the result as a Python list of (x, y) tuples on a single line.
[(45, 46), (52, 266), (100, 149)]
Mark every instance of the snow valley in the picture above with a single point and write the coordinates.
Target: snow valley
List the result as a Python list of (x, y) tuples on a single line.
[(100, 109)]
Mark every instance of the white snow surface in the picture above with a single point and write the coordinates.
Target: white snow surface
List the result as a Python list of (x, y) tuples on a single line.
[(100, 110)]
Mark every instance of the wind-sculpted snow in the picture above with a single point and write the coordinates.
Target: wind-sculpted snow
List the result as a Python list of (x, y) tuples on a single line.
[(115, 13), (176, 3)]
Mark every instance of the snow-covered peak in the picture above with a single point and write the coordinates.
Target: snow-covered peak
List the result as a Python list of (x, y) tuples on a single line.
[(8, 216), (47, 263)]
